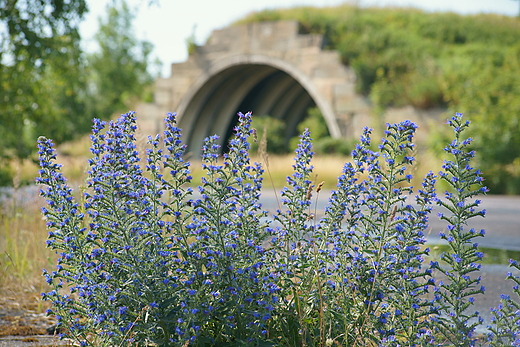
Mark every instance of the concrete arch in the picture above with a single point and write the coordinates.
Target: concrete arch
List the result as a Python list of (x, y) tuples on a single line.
[(267, 68), (210, 105)]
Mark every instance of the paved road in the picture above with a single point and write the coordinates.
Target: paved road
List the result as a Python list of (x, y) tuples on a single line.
[(502, 221)]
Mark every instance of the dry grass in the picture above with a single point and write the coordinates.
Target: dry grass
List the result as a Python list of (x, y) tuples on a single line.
[(23, 234), (326, 169), (278, 167), (23, 252)]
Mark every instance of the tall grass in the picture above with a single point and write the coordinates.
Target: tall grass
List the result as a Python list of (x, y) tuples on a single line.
[(23, 235), (22, 239)]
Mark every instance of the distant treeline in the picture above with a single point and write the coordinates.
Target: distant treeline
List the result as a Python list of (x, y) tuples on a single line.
[(469, 64)]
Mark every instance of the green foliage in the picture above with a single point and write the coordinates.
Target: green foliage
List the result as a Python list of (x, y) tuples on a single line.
[(323, 142), (47, 85), (119, 72), (270, 135), (469, 64), (40, 59), (315, 123), (6, 175), (329, 145), (493, 97)]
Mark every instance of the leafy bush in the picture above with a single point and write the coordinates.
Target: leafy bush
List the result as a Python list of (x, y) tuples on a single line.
[(147, 261), (315, 122), (6, 174), (270, 132), (410, 57), (329, 145), (323, 142)]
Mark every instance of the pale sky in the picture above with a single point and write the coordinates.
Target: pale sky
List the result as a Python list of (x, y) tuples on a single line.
[(167, 23)]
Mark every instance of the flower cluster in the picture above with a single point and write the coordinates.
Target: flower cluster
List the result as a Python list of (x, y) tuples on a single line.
[(370, 245), (456, 294), (145, 260), (505, 329)]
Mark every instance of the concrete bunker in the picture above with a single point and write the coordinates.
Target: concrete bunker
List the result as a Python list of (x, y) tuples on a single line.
[(269, 68), (259, 84)]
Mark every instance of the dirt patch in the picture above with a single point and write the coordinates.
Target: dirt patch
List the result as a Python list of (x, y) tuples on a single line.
[(22, 313), (33, 341), (20, 330), (23, 321)]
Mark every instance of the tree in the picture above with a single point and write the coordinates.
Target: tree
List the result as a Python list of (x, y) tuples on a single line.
[(40, 79), (48, 86), (119, 72)]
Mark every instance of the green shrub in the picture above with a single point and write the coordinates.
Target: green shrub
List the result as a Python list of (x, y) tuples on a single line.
[(270, 132), (6, 175), (329, 145), (469, 64)]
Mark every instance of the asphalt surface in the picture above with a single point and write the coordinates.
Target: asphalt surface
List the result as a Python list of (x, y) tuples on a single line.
[(501, 223)]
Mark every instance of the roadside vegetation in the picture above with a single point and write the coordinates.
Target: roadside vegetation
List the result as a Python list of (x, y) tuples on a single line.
[(401, 57), (466, 64), (50, 86)]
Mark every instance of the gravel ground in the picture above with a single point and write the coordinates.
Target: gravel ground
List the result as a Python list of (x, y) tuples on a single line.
[(32, 341)]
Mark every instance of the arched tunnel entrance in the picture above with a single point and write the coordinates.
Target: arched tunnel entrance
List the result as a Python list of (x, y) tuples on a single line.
[(264, 89), (269, 68), (278, 95)]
